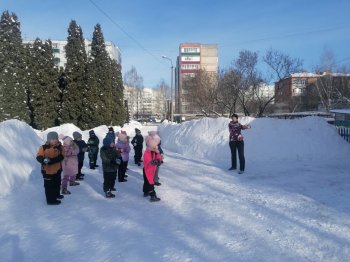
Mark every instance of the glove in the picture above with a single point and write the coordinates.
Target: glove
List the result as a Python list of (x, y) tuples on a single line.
[(135, 144), (46, 161), (118, 161), (155, 162)]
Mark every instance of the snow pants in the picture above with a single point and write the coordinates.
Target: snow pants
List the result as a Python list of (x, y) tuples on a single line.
[(147, 187), (93, 156), (80, 166), (109, 180), (138, 154), (52, 185), (122, 170), (237, 146)]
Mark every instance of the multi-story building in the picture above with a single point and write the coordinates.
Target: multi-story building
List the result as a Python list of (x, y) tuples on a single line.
[(290, 88), (145, 103), (192, 58), (59, 52)]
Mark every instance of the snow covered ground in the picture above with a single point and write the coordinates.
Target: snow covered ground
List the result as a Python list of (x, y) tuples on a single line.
[(292, 204)]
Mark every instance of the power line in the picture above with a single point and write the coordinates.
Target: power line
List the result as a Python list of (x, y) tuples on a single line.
[(125, 32), (282, 36)]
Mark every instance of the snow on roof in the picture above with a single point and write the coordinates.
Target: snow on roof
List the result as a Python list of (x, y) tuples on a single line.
[(341, 111)]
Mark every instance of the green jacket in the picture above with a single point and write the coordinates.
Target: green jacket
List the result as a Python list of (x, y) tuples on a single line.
[(109, 156)]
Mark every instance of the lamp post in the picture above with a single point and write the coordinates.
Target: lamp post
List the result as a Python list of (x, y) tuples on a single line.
[(171, 88)]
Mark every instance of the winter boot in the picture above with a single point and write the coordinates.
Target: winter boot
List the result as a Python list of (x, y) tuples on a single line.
[(60, 197), (74, 183), (154, 199), (157, 183), (240, 172), (65, 191), (109, 194), (145, 194), (232, 168), (113, 189), (56, 202)]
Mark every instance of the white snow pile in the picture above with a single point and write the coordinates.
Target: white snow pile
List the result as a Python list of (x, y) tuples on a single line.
[(291, 204), (18, 146), (269, 140)]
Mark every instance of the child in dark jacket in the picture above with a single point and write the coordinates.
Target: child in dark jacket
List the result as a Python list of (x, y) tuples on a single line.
[(137, 143), (93, 144), (110, 162), (82, 149), (151, 160)]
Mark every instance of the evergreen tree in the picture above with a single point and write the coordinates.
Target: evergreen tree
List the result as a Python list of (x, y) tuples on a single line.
[(118, 111), (42, 85), (72, 96), (99, 97), (13, 98)]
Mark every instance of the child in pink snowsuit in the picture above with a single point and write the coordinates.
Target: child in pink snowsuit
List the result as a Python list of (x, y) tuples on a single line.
[(70, 163)]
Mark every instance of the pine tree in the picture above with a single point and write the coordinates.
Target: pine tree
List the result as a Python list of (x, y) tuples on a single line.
[(99, 96), (43, 92), (13, 98), (72, 96), (118, 111)]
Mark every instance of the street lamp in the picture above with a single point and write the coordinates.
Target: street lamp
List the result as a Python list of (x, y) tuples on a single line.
[(171, 87)]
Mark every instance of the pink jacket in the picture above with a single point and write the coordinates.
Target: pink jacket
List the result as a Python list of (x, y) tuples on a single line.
[(150, 169), (70, 161)]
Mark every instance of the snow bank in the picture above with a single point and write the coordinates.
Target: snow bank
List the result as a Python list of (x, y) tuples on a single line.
[(18, 147), (19, 144), (309, 139)]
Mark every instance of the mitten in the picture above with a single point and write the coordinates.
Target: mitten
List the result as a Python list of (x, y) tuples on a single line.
[(46, 161)]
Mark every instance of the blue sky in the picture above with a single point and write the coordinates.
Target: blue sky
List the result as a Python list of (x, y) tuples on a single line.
[(300, 28)]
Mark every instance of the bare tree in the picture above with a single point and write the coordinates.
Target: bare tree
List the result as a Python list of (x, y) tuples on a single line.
[(333, 88), (202, 92), (281, 66), (250, 79), (228, 90), (134, 80)]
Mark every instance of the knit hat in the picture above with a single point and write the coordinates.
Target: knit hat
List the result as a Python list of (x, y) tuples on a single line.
[(76, 135), (137, 130), (107, 141), (152, 142), (66, 139), (234, 115), (122, 136), (51, 136)]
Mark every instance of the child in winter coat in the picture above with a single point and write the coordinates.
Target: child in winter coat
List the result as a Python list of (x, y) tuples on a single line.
[(137, 142), (124, 148), (151, 160), (69, 164), (82, 149), (93, 144), (156, 175), (237, 143), (50, 157), (110, 162)]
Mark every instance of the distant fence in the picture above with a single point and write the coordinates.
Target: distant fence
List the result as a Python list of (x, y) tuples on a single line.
[(344, 132)]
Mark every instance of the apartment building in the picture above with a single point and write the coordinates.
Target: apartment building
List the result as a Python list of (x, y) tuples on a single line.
[(145, 103), (192, 58), (59, 52)]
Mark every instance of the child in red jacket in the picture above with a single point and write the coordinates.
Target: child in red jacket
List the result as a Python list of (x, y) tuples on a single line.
[(151, 160)]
